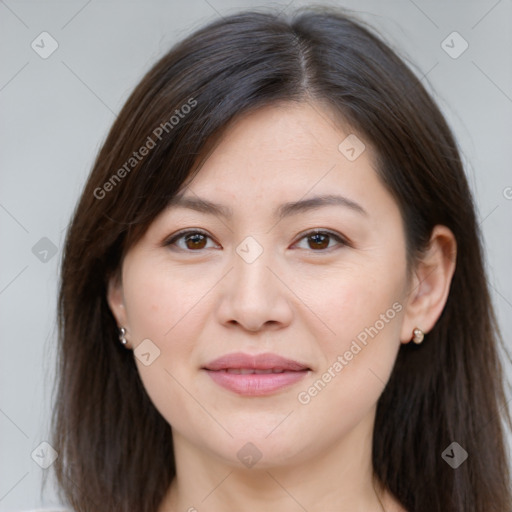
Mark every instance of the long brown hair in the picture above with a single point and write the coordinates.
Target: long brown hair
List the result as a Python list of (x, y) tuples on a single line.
[(115, 449)]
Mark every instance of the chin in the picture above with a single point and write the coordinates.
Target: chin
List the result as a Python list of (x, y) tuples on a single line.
[(251, 449)]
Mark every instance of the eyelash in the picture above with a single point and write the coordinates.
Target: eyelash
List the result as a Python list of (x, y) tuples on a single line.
[(341, 240)]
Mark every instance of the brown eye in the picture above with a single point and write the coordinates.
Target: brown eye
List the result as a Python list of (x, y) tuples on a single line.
[(319, 241), (190, 241), (195, 241)]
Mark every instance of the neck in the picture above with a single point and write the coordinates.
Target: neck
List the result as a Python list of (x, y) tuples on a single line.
[(339, 479)]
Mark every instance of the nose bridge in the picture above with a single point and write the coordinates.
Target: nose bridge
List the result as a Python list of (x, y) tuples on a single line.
[(251, 260), (254, 295)]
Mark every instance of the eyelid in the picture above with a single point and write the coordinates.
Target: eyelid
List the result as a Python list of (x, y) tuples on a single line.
[(176, 236), (342, 240)]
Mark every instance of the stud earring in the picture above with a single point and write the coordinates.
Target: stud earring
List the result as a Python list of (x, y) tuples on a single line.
[(122, 338), (418, 335)]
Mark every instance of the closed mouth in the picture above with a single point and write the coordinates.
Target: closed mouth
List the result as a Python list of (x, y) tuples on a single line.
[(255, 375), (239, 362), (250, 371)]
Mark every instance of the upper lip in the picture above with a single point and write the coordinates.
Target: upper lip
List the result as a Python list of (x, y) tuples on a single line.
[(266, 361)]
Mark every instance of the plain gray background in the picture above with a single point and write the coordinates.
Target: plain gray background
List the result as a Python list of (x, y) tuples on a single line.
[(55, 113)]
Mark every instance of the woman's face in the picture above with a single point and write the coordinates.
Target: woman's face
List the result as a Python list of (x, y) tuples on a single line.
[(259, 282)]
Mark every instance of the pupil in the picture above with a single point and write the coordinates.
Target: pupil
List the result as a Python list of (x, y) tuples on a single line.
[(195, 240), (319, 243)]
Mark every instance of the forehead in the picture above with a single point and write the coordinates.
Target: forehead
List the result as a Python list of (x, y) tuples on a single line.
[(283, 132), (290, 150)]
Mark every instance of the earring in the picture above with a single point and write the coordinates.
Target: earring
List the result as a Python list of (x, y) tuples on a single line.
[(122, 332), (418, 335)]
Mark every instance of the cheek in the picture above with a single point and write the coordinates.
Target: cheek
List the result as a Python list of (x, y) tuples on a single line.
[(165, 306), (356, 303), (358, 360), (363, 309), (160, 302)]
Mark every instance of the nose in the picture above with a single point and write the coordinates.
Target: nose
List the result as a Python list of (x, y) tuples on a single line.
[(254, 295)]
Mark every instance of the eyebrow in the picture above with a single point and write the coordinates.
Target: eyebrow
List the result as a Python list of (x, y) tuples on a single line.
[(284, 210)]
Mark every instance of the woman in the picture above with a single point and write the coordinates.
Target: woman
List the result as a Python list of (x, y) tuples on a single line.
[(272, 292)]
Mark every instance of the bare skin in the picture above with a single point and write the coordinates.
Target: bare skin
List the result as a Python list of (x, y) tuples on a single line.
[(303, 298)]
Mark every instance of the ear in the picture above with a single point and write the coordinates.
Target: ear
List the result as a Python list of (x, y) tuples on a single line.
[(430, 284), (115, 299)]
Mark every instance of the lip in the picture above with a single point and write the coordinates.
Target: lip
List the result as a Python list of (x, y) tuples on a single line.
[(255, 375)]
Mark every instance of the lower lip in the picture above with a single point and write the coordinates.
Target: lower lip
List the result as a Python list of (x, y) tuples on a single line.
[(256, 384)]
